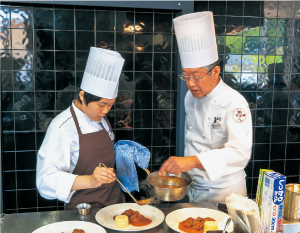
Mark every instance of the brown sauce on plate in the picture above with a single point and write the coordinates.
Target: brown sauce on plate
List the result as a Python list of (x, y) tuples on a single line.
[(193, 225), (135, 218)]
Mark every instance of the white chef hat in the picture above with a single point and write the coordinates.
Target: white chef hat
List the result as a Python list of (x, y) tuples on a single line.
[(102, 73), (195, 34)]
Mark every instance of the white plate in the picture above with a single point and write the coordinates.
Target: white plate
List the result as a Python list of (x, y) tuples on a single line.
[(105, 216), (69, 226), (177, 216)]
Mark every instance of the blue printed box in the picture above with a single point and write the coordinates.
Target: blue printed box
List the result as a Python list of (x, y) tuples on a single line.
[(272, 202)]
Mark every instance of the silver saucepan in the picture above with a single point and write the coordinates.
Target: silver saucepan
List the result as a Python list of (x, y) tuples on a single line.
[(169, 187)]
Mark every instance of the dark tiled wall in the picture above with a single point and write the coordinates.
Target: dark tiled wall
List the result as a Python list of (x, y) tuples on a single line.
[(259, 46), (44, 50)]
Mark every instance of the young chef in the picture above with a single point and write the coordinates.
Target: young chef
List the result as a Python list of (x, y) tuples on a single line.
[(218, 124), (81, 137)]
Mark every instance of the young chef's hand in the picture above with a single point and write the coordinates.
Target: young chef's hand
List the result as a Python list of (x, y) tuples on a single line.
[(176, 165), (102, 175)]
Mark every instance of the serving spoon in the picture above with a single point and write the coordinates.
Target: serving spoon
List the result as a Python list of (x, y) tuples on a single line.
[(141, 202)]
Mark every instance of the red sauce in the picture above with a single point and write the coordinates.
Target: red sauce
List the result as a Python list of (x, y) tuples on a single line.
[(192, 225), (135, 218)]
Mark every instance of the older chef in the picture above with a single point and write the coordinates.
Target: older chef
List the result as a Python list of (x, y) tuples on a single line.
[(80, 138), (218, 125)]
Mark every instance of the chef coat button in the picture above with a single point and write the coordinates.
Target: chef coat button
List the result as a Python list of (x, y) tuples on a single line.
[(215, 100), (190, 128), (187, 144), (199, 150), (208, 118)]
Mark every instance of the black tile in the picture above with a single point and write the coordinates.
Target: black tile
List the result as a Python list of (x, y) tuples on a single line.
[(286, 9), (123, 135), (65, 81), (79, 76), (125, 21), (7, 101), (126, 81), (200, 6), (261, 151), (24, 121), (43, 40), (64, 19), (27, 198), (262, 134), (234, 25), (84, 40), (42, 202), (143, 100), (277, 166), (162, 42), (81, 60), (160, 155), (283, 64), (23, 81), (292, 151), (277, 151), (23, 101), (39, 139), (64, 40), (174, 80), (252, 8), (44, 80), (124, 100), (26, 161), (26, 179), (143, 119), (124, 119), (8, 121), (173, 97), (269, 9), (248, 169), (162, 62), (64, 99), (161, 100), (296, 64), (285, 27), (162, 22), (254, 186), (6, 60), (143, 61), (124, 41), (263, 117), (217, 7), (9, 180), (257, 165), (293, 134), (292, 180), (297, 28), (296, 47), (5, 11), (235, 8), (143, 136), (278, 134), (64, 60), (250, 45), (268, 27), (45, 100), (25, 141), (6, 81), (249, 186), (294, 100), (84, 20), (27, 210), (22, 59), (105, 40), (280, 100), (233, 80), (44, 209), (144, 21), (251, 98), (279, 117), (265, 82), (248, 82), (21, 39), (8, 161), (44, 60), (43, 18), (286, 44), (267, 45), (161, 81), (105, 20), (10, 200), (282, 81), (161, 118), (219, 22), (292, 167), (128, 64), (8, 142), (144, 42), (294, 117), (21, 17), (161, 137)]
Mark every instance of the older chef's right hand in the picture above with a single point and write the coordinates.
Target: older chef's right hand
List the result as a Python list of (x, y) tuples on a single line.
[(102, 175)]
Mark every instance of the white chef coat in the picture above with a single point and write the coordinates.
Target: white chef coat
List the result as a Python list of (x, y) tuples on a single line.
[(221, 140), (59, 153)]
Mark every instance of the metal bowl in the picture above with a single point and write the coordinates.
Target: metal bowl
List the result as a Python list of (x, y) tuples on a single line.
[(169, 194), (83, 209)]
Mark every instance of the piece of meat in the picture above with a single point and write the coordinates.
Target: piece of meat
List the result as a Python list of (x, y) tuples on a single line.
[(78, 231), (187, 224), (190, 220), (199, 225)]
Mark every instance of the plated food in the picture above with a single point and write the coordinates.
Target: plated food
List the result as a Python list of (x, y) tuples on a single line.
[(134, 218), (198, 225), (78, 231)]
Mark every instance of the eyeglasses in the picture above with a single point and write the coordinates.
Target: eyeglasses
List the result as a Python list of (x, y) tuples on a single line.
[(195, 79)]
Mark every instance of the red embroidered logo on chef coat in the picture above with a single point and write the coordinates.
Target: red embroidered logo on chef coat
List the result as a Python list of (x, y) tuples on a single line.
[(239, 115)]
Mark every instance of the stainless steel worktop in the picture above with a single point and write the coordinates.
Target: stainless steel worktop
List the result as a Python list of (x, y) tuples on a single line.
[(28, 222)]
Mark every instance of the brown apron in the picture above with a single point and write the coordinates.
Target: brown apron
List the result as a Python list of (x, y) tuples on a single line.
[(95, 148)]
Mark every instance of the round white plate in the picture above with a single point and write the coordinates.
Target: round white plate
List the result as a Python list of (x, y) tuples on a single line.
[(177, 216), (105, 216), (69, 226)]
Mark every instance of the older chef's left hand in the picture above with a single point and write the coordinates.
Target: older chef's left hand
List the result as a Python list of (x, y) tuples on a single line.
[(175, 165)]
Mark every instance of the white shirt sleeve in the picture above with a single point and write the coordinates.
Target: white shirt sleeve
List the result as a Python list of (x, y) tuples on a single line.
[(235, 154), (53, 163)]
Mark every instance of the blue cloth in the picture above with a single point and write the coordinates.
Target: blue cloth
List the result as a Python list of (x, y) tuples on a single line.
[(127, 154)]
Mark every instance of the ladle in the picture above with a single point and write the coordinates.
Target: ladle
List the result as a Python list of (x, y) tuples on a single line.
[(141, 202)]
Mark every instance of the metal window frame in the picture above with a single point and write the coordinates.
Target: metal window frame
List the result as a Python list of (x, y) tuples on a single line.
[(184, 7)]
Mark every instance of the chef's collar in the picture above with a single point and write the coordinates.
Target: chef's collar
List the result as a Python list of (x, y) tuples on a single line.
[(215, 91), (80, 115)]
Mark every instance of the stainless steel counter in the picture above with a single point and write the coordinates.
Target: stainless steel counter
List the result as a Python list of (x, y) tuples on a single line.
[(28, 222)]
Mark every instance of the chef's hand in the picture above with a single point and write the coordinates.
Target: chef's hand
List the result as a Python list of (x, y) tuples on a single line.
[(102, 175), (175, 165)]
